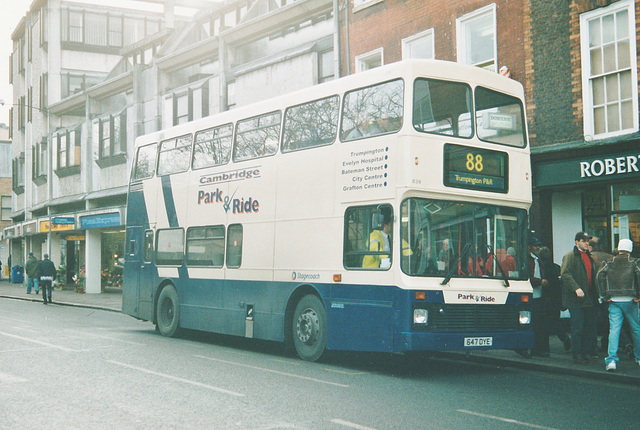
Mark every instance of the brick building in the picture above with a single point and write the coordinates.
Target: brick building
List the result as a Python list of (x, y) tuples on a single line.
[(577, 61)]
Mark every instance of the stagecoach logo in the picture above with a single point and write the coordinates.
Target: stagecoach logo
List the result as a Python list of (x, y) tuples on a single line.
[(297, 276)]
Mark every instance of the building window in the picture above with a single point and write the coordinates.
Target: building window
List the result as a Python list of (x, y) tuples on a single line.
[(17, 173), (420, 45), (231, 94), (103, 29), (325, 66), (44, 91), (68, 144), (476, 35), (190, 103), (39, 159), (361, 4), (6, 208), (370, 60), (113, 135), (609, 70), (22, 112)]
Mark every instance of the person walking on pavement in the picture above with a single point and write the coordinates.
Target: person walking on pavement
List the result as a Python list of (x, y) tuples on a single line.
[(552, 294), (619, 286), (579, 295), (539, 315), (47, 272), (32, 273)]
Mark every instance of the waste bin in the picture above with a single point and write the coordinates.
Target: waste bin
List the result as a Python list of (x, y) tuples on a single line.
[(17, 274)]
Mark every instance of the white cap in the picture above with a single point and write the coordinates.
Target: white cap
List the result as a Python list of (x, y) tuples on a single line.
[(625, 245)]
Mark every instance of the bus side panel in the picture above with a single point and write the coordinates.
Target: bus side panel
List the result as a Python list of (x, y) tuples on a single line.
[(222, 307), (360, 318), (132, 262)]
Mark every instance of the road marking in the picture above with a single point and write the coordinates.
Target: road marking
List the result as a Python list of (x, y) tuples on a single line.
[(39, 342), (106, 337), (175, 378), (352, 425), (5, 377), (506, 420), (344, 373), (277, 372)]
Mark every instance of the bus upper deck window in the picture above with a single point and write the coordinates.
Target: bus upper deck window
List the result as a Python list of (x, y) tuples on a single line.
[(145, 162), (372, 111), (500, 118), (442, 107)]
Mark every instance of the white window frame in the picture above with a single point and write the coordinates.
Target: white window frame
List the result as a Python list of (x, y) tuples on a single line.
[(461, 24), (358, 5), (409, 41), (361, 60), (587, 94)]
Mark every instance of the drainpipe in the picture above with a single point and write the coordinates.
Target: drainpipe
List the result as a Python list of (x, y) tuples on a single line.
[(346, 35), (336, 39)]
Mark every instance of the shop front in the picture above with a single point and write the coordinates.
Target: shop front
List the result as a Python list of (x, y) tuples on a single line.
[(599, 194), (104, 250)]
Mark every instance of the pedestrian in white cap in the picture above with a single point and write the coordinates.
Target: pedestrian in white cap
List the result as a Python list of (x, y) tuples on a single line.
[(619, 285)]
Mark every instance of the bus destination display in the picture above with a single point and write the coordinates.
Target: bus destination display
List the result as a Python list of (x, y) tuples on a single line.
[(476, 169)]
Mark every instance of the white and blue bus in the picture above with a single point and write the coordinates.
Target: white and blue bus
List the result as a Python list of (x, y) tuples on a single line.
[(384, 211)]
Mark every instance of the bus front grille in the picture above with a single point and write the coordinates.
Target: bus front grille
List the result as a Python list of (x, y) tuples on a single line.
[(456, 317)]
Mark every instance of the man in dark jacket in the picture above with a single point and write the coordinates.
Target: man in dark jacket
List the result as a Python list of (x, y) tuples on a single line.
[(47, 272), (32, 273), (619, 286), (579, 295)]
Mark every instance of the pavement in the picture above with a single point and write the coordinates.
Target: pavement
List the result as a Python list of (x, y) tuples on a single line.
[(559, 361)]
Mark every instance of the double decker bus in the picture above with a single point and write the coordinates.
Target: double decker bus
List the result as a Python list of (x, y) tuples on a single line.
[(384, 211)]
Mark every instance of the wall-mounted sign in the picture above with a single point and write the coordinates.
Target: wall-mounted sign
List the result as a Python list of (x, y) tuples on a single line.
[(63, 220), (100, 220), (30, 228), (587, 169), (44, 227)]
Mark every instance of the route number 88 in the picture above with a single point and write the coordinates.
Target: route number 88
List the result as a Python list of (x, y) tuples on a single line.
[(474, 163)]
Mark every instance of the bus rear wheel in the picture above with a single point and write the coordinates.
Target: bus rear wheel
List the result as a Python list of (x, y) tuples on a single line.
[(310, 328), (168, 311)]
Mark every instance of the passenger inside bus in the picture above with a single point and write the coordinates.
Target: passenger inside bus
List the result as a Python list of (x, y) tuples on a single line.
[(379, 241)]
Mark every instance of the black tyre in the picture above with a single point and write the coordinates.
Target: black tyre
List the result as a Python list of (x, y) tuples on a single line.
[(310, 328), (168, 311)]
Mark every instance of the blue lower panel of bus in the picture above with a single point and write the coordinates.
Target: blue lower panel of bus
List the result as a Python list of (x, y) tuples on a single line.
[(359, 317), (420, 341)]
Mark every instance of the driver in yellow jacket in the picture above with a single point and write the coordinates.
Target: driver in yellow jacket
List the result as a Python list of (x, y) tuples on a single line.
[(379, 242)]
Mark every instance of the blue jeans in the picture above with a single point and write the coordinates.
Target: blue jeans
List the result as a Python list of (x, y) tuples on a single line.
[(32, 282), (618, 311), (583, 331)]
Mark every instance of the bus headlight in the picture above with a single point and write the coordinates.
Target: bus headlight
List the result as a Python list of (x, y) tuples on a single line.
[(525, 317), (420, 316)]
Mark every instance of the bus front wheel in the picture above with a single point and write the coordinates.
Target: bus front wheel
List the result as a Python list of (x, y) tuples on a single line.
[(168, 311), (310, 328)]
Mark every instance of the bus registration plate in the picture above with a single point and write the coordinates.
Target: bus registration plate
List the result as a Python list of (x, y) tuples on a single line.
[(478, 341)]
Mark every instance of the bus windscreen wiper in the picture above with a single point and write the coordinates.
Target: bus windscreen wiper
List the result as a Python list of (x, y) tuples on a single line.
[(505, 278), (454, 266)]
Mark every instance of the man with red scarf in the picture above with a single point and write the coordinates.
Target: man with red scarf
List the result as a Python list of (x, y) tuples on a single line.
[(579, 295)]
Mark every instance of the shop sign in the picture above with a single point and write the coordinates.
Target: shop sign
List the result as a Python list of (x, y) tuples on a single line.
[(30, 228), (63, 220), (100, 220), (588, 169), (9, 233), (74, 237), (44, 227)]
